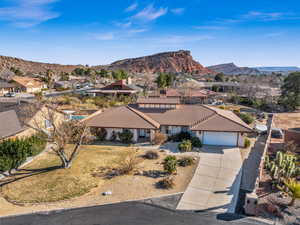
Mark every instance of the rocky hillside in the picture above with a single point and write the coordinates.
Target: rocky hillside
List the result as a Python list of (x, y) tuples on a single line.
[(175, 62), (232, 69), (32, 67)]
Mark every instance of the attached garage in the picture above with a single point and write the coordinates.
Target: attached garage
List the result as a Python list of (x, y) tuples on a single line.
[(220, 138)]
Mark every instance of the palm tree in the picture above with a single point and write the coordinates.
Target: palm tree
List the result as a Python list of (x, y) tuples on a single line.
[(292, 188)]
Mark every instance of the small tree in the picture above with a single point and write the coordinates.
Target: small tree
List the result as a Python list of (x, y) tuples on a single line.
[(196, 142), (59, 132), (159, 138), (100, 133)]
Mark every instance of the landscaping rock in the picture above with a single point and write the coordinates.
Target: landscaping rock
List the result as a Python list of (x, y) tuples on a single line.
[(107, 193)]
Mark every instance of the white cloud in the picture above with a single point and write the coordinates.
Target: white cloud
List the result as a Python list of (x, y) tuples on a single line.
[(260, 16), (178, 11), (27, 13), (136, 31), (150, 13), (131, 7), (103, 36)]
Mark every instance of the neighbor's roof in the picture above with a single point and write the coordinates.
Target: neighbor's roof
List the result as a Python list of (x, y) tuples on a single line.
[(121, 85), (121, 117), (4, 84), (27, 81), (25, 111), (158, 101), (10, 124)]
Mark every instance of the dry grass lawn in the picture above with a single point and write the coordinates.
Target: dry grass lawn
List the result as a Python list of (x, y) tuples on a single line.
[(77, 186)]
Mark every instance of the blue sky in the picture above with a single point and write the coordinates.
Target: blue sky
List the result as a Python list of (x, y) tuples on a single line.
[(249, 33)]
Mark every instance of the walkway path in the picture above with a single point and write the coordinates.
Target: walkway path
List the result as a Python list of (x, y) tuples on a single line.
[(216, 182)]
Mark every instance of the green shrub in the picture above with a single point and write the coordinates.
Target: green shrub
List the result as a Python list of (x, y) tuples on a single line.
[(13, 152), (170, 164), (100, 133), (196, 142), (185, 146), (151, 155), (246, 117), (180, 136), (186, 161), (125, 136), (166, 183), (247, 143)]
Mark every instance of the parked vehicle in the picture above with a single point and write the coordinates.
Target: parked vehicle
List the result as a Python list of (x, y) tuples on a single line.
[(10, 94)]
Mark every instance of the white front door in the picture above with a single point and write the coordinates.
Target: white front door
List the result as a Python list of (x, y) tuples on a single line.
[(220, 138)]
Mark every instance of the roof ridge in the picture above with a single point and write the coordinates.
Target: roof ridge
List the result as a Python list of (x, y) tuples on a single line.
[(203, 120), (217, 111), (145, 117)]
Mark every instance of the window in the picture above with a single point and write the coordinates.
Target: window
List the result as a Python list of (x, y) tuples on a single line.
[(48, 124)]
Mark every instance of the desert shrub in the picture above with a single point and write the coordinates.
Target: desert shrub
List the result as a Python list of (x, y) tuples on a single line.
[(170, 164), (166, 183), (125, 136), (159, 138), (128, 163), (222, 107), (100, 133), (236, 111), (151, 155), (186, 161), (246, 117), (247, 143), (196, 142), (185, 146)]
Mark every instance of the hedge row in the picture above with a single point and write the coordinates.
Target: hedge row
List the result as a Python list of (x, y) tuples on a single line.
[(13, 152)]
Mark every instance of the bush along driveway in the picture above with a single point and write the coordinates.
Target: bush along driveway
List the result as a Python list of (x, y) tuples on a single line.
[(216, 182)]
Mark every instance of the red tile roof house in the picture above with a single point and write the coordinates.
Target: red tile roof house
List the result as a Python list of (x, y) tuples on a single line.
[(189, 96), (149, 115), (121, 87)]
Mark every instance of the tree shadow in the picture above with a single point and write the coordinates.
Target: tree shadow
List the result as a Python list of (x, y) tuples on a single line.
[(27, 173)]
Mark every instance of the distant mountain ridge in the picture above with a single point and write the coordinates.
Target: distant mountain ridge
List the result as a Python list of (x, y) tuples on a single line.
[(232, 69), (278, 68), (175, 62)]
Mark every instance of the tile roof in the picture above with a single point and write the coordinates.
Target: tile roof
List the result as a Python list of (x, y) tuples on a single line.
[(197, 117), (121, 117), (27, 81), (184, 115), (152, 100), (10, 124), (24, 110)]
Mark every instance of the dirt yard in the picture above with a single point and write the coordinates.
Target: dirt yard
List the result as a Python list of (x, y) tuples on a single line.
[(78, 186)]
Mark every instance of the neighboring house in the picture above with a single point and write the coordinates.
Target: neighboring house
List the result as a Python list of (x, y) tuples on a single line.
[(29, 84), (121, 87), (189, 96), (63, 84), (213, 126), (27, 116), (6, 87), (10, 124)]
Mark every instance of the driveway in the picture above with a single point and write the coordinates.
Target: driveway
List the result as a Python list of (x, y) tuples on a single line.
[(216, 182)]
